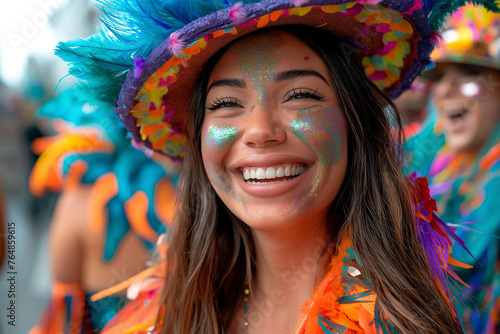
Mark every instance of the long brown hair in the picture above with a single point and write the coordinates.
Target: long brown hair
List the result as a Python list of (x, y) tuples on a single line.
[(211, 252)]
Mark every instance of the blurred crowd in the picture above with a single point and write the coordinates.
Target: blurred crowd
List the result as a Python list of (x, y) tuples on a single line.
[(451, 123)]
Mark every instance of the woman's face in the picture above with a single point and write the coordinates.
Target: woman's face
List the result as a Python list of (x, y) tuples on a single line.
[(274, 141), (468, 101)]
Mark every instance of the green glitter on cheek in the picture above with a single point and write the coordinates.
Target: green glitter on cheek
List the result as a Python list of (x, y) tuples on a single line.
[(221, 136), (216, 139), (323, 130)]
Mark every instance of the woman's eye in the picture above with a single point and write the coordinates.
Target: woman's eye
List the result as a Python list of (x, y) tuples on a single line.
[(299, 94), (218, 103)]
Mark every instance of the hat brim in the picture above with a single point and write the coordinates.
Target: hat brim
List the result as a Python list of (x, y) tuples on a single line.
[(390, 42)]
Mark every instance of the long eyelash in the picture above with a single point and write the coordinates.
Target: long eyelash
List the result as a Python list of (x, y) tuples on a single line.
[(218, 102), (305, 92)]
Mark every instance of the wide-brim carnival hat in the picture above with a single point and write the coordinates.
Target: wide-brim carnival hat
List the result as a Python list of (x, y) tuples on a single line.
[(471, 36), (148, 55)]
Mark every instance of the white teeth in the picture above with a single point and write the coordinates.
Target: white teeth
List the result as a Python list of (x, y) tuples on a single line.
[(256, 182), (270, 173), (280, 172), (260, 174)]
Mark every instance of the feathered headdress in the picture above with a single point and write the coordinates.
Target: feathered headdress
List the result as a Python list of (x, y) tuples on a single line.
[(91, 148), (472, 36)]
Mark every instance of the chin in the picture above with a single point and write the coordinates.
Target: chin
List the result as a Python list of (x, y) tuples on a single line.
[(277, 218)]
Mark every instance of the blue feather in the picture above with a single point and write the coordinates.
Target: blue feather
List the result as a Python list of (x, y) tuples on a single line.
[(335, 328), (348, 299), (128, 28)]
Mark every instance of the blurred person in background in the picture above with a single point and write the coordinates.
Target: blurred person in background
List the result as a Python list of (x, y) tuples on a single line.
[(114, 202), (413, 105), (459, 151), (29, 73)]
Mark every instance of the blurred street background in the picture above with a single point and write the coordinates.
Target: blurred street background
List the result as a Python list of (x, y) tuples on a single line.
[(29, 74)]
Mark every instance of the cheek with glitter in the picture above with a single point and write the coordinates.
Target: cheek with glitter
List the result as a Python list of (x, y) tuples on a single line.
[(216, 139), (220, 137), (323, 130)]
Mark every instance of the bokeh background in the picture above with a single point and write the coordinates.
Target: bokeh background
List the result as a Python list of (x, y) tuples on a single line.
[(29, 75)]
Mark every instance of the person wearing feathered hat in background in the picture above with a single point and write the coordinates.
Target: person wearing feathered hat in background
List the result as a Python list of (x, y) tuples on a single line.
[(114, 202), (294, 214), (459, 150)]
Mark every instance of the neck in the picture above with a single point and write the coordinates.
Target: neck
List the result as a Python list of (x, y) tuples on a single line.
[(291, 262)]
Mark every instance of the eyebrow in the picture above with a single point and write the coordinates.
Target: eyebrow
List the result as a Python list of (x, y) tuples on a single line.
[(292, 74), (279, 77), (239, 83)]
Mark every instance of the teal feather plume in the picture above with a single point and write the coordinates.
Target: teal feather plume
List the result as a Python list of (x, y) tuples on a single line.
[(100, 67), (356, 298), (129, 28)]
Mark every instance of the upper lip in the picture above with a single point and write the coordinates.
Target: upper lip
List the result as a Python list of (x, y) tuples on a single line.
[(267, 161)]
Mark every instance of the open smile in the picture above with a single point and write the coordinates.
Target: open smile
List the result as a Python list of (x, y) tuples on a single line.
[(272, 174)]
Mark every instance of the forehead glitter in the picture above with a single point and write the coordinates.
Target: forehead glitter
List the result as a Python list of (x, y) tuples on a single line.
[(323, 130), (257, 62)]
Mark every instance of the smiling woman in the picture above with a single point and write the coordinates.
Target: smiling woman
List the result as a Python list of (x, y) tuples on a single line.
[(295, 214), (283, 117)]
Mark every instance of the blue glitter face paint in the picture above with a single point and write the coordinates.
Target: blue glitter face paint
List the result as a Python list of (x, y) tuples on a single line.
[(221, 136), (323, 130)]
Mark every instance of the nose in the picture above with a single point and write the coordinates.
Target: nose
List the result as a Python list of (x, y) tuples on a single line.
[(263, 128)]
